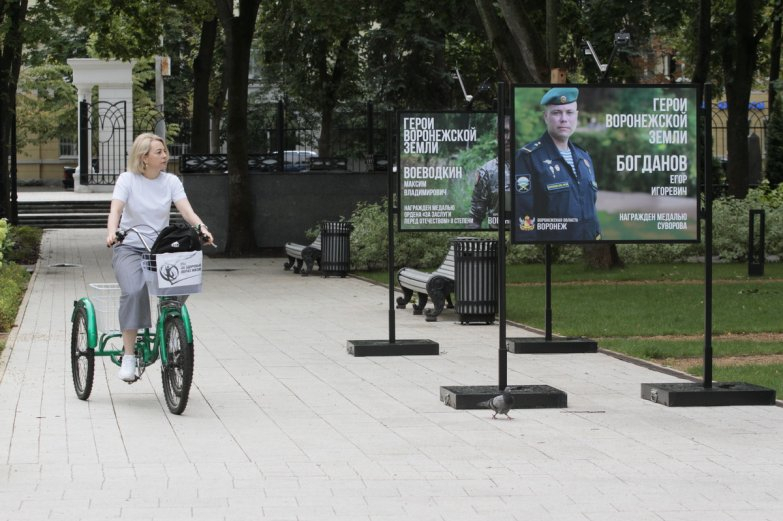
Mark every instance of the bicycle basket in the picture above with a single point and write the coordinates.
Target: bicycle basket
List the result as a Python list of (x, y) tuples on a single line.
[(172, 274), (105, 298)]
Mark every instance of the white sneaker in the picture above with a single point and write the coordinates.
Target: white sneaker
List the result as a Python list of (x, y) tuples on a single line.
[(128, 368)]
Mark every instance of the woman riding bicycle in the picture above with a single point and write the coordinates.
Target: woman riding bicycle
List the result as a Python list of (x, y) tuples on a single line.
[(142, 197)]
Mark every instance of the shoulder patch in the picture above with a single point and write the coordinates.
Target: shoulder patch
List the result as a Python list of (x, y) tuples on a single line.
[(530, 147)]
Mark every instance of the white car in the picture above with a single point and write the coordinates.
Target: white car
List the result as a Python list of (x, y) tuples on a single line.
[(297, 160)]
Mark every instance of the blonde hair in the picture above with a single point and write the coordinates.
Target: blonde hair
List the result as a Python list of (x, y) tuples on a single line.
[(140, 148)]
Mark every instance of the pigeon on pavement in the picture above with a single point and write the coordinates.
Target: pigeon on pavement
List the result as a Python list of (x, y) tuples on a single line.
[(500, 404)]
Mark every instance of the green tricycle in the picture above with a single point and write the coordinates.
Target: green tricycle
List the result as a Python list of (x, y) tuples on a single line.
[(94, 321)]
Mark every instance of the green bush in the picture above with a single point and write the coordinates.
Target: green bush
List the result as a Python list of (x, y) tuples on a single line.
[(4, 240), (17, 243), (730, 222), (369, 240), (22, 246), (658, 253), (13, 282)]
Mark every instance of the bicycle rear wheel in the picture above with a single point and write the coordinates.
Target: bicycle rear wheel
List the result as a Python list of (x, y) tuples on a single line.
[(82, 357), (177, 371)]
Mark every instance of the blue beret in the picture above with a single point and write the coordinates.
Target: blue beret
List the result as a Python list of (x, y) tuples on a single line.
[(560, 96)]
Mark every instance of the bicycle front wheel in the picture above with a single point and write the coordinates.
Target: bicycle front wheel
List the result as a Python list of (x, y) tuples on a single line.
[(177, 371), (82, 356)]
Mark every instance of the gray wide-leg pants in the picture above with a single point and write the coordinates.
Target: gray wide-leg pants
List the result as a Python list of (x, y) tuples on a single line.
[(134, 300)]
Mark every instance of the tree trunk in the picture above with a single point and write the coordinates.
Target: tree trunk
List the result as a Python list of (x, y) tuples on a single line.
[(529, 41), (552, 34), (701, 71), (774, 61), (739, 64), (12, 15), (331, 81), (202, 71), (216, 114), (508, 55), (239, 36), (602, 256)]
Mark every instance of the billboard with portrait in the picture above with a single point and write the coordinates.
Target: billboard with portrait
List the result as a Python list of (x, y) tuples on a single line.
[(605, 163), (448, 171)]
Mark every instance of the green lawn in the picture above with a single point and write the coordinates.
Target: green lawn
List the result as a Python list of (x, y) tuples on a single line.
[(768, 375), (656, 311), (626, 309)]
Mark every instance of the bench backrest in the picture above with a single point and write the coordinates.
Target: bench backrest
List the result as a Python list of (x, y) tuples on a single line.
[(316, 243), (446, 268)]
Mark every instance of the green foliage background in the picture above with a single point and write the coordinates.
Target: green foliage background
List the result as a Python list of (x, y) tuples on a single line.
[(369, 240), (13, 277)]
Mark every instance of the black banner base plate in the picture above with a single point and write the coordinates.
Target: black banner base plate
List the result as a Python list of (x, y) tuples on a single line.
[(396, 348), (525, 396), (526, 345), (694, 394)]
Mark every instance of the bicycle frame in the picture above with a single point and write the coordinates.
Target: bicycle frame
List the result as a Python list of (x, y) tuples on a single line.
[(150, 345)]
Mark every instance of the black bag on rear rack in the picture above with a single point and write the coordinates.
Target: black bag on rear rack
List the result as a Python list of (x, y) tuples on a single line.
[(176, 237)]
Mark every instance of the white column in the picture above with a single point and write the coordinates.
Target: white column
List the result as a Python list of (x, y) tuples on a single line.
[(115, 83)]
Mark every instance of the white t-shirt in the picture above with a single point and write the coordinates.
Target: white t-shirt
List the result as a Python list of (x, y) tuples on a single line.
[(147, 203)]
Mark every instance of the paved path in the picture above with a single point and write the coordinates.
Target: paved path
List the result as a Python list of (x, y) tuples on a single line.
[(284, 425)]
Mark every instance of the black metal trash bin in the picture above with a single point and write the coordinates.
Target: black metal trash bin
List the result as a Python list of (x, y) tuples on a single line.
[(335, 248), (68, 172), (476, 279)]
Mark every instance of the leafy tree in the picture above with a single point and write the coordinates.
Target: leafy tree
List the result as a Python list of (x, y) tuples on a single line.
[(397, 54), (311, 52), (413, 49), (46, 102), (51, 36), (121, 29), (513, 28)]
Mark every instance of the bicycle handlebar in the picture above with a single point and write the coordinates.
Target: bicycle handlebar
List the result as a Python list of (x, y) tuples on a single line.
[(120, 235)]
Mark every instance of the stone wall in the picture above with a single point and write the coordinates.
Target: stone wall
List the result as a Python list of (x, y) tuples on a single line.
[(284, 204)]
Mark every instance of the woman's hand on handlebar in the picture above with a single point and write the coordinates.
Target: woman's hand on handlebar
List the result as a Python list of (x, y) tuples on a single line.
[(113, 238), (205, 235)]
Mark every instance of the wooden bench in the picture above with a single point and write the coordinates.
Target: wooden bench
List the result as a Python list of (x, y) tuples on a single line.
[(437, 286), (299, 254)]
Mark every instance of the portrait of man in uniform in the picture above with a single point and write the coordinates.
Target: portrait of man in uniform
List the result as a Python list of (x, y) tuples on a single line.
[(555, 188), (484, 200)]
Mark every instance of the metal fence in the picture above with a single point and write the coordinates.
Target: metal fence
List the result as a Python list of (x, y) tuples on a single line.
[(758, 117), (358, 134)]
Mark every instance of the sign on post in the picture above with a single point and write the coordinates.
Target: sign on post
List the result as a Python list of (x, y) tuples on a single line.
[(605, 163), (448, 171)]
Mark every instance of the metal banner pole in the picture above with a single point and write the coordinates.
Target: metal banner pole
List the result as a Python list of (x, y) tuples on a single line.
[(502, 174), (707, 101), (391, 122)]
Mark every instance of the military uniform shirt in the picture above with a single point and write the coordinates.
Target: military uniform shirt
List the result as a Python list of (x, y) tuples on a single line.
[(484, 201), (553, 201)]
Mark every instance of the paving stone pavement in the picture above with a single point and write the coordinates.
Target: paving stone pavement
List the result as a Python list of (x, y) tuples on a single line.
[(283, 424)]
